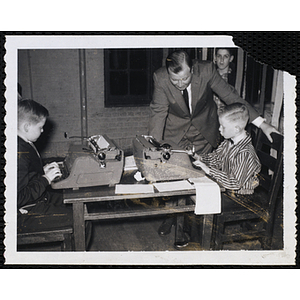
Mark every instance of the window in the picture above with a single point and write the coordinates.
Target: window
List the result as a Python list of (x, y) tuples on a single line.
[(128, 75)]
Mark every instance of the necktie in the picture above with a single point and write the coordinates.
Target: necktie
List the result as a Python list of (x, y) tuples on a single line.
[(186, 98)]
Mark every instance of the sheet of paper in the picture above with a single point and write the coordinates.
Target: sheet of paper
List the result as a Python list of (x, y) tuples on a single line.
[(102, 142), (173, 186), (130, 163), (208, 197), (134, 188), (202, 180)]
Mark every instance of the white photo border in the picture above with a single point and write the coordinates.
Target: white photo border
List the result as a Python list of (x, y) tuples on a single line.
[(274, 257)]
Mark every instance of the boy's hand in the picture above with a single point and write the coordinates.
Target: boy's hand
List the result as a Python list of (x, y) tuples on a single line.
[(52, 171), (193, 154), (50, 166), (202, 165)]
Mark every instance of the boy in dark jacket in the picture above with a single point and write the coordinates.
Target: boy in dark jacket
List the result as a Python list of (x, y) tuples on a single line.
[(39, 207)]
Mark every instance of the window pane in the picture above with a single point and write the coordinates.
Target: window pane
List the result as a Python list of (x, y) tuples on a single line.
[(118, 83), (118, 59), (138, 83), (138, 59), (128, 75)]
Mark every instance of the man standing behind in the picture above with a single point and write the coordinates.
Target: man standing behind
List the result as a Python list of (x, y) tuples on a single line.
[(183, 109)]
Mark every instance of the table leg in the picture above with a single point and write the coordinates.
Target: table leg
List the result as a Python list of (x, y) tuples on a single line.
[(79, 226), (179, 234), (207, 229)]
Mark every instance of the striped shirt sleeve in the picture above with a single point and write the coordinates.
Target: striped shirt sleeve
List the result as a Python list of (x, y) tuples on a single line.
[(241, 172), (234, 167)]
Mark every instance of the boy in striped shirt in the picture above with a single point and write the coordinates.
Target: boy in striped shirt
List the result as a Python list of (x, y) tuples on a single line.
[(234, 164)]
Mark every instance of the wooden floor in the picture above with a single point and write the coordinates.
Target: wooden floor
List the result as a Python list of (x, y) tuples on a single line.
[(130, 235), (140, 234)]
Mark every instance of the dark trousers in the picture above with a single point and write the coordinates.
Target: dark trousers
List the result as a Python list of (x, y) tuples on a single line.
[(48, 214), (193, 137), (191, 222)]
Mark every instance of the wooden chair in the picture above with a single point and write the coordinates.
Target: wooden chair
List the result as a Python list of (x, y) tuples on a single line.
[(261, 206), (60, 235)]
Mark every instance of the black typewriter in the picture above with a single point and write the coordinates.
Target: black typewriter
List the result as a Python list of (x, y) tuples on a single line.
[(162, 161), (99, 162)]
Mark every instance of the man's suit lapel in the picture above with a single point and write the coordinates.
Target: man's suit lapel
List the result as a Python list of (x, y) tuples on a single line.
[(179, 100)]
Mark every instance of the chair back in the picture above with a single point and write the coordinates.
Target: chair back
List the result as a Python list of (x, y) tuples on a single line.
[(271, 158)]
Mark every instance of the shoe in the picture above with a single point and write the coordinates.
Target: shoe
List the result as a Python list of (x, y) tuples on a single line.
[(181, 238), (166, 226), (179, 245), (192, 246)]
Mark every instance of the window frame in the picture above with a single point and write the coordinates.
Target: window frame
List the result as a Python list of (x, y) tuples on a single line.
[(152, 56)]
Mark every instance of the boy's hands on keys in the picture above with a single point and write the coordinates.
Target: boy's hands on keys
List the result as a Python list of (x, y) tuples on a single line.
[(50, 166), (193, 154), (201, 165), (52, 171)]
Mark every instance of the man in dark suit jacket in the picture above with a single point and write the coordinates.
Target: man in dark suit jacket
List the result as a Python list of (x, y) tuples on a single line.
[(191, 123)]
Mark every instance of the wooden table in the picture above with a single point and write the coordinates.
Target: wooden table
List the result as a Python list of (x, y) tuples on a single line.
[(79, 198)]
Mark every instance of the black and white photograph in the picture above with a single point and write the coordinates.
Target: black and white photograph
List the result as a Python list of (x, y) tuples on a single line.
[(147, 150)]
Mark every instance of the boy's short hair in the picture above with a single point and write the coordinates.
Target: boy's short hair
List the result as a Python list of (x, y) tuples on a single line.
[(235, 112), (230, 50), (176, 60), (31, 111)]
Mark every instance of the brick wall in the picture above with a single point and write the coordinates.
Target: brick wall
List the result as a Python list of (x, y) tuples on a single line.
[(51, 77)]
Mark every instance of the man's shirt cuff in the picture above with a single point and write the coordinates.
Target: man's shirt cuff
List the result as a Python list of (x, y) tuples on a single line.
[(258, 121)]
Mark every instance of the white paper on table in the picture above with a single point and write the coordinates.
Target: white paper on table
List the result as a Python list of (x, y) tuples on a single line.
[(208, 196), (173, 186), (134, 188), (138, 176)]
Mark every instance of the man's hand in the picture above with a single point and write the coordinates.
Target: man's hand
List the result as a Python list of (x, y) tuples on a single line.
[(267, 130)]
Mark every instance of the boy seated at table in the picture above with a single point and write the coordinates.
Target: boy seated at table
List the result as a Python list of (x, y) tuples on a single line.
[(39, 207), (234, 164)]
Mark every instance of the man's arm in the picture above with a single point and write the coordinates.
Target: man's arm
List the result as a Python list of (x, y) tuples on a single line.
[(229, 95), (266, 128), (159, 107)]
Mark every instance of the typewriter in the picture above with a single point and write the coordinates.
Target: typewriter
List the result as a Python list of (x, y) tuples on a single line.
[(100, 162), (162, 162)]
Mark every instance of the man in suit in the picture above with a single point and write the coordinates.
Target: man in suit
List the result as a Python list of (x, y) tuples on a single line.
[(183, 109)]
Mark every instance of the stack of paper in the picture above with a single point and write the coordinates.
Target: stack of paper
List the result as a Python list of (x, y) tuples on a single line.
[(134, 188), (173, 186)]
